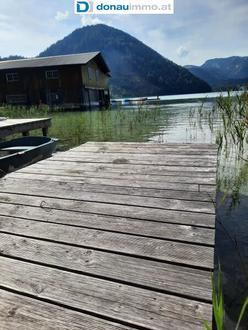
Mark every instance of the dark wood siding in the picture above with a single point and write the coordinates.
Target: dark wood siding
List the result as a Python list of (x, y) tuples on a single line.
[(33, 87)]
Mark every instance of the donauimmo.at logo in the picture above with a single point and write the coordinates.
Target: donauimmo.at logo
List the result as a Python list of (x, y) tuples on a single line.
[(83, 7), (124, 7)]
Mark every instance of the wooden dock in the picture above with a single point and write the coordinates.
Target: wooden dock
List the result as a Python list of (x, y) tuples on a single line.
[(109, 236), (24, 126)]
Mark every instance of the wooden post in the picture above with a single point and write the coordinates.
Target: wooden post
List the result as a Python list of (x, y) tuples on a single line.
[(89, 99), (45, 131)]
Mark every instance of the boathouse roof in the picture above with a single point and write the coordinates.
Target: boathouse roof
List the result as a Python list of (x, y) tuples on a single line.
[(61, 60)]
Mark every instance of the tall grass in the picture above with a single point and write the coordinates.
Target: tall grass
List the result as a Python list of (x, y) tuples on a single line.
[(74, 128), (232, 111), (228, 123), (232, 140), (218, 305), (24, 112)]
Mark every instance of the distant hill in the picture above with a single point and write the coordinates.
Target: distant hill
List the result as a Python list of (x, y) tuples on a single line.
[(222, 72), (136, 69), (11, 58)]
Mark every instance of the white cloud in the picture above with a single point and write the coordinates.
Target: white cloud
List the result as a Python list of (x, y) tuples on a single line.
[(92, 20), (182, 51), (62, 15)]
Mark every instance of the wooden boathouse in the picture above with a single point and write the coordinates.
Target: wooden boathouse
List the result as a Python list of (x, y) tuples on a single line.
[(67, 81), (109, 236)]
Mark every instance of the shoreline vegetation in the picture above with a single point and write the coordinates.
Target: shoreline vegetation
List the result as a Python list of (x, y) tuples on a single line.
[(219, 304), (77, 127), (228, 123)]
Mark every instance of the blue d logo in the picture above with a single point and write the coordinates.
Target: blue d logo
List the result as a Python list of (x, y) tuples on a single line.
[(82, 6)]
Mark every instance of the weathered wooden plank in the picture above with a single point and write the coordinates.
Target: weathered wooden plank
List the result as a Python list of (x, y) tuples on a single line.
[(134, 159), (157, 249), (135, 168), (139, 156), (118, 175), (143, 308), (162, 230), (121, 182), (153, 275), (13, 126), (153, 144), (156, 149), (130, 170), (33, 186), (136, 153), (146, 169), (21, 121), (144, 213), (184, 165), (18, 312), (160, 203)]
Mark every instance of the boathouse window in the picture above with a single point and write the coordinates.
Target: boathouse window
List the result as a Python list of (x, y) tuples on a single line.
[(16, 99), (12, 76), (52, 74), (91, 73)]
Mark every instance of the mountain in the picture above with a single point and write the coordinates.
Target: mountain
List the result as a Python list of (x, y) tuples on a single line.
[(203, 74), (136, 69), (222, 72), (11, 58)]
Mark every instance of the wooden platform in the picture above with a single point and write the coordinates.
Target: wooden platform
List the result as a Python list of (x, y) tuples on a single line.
[(24, 126), (109, 236)]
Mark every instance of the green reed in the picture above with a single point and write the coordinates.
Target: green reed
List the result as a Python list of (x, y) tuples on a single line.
[(218, 305), (228, 123), (74, 128), (233, 114)]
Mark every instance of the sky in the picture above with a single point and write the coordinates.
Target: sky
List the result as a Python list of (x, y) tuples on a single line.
[(199, 30)]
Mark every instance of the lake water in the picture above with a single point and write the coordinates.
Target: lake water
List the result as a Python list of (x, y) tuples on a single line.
[(186, 97), (183, 121)]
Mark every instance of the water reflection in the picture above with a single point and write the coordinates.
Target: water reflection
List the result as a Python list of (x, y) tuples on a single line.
[(232, 254), (180, 127)]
